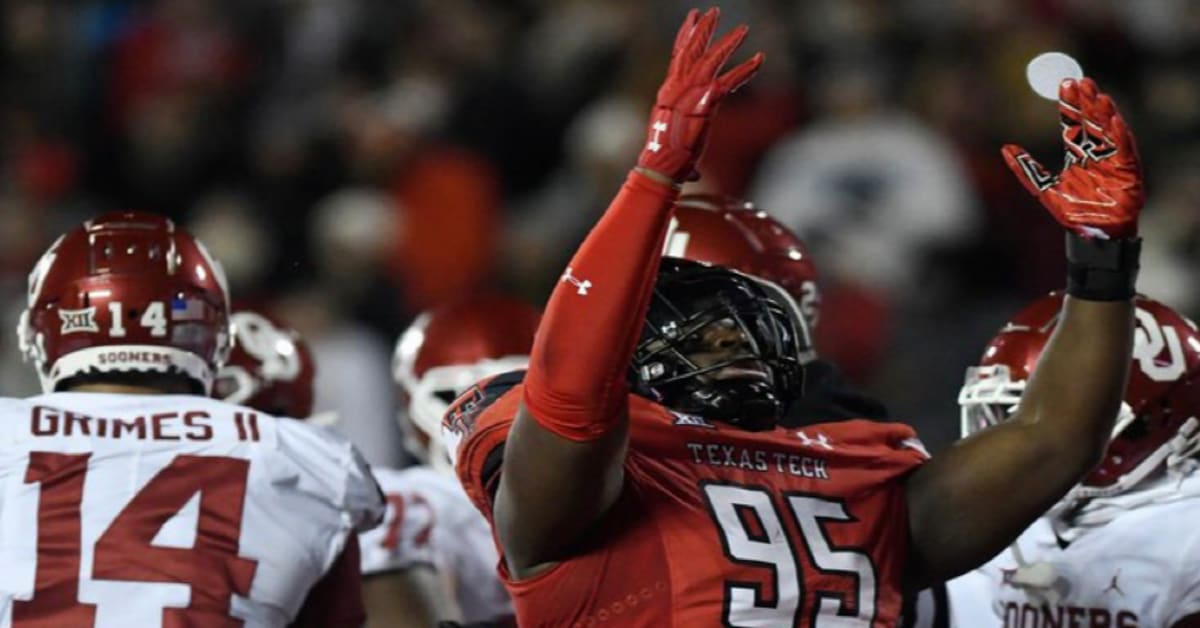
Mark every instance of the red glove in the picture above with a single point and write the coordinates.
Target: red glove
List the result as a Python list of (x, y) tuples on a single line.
[(1099, 192), (690, 94)]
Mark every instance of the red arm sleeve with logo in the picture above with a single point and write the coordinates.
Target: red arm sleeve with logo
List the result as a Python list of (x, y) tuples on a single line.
[(576, 385)]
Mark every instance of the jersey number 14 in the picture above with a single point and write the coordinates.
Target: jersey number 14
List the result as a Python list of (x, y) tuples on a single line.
[(125, 551)]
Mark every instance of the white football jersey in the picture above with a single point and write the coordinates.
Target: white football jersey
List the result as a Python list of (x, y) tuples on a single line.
[(431, 521), (1135, 566), (143, 510)]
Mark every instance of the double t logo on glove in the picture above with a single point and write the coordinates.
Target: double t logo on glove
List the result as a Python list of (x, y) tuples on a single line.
[(690, 94), (1099, 193)]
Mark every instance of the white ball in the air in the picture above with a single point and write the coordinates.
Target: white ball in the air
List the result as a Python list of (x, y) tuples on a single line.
[(1047, 70)]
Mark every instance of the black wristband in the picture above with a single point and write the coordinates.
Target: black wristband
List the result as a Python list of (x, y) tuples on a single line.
[(1102, 270)]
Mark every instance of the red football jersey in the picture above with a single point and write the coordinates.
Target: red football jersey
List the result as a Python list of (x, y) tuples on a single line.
[(716, 525)]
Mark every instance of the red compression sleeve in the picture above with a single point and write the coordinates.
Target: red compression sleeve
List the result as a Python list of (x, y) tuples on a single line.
[(576, 386)]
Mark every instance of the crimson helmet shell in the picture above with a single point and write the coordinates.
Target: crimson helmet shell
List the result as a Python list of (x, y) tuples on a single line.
[(270, 369), (447, 349), (126, 292), (724, 231), (1161, 400)]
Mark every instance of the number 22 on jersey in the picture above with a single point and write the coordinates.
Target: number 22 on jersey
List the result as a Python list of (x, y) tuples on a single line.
[(125, 551), (754, 534)]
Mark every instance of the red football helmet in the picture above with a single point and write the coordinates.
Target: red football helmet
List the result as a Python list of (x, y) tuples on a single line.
[(270, 369), (126, 292), (1158, 419), (447, 349), (724, 231)]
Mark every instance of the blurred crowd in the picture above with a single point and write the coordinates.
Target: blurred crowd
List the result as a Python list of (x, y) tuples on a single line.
[(353, 162)]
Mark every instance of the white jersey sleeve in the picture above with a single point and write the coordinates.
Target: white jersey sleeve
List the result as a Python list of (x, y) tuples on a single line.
[(327, 464), (430, 521), (152, 510)]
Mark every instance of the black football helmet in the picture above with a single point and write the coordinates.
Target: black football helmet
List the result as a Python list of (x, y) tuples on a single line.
[(751, 332)]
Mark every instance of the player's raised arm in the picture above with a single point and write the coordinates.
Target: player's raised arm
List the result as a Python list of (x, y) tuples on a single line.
[(563, 459), (967, 503)]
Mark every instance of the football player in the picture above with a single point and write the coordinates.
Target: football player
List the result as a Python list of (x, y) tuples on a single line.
[(729, 232), (272, 369), (133, 499), (637, 473), (430, 522), (1121, 548)]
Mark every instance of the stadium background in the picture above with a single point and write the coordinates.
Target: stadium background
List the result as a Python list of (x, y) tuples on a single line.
[(352, 162)]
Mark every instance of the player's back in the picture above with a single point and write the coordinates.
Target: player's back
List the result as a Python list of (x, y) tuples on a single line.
[(168, 510), (430, 520), (719, 526), (1130, 562)]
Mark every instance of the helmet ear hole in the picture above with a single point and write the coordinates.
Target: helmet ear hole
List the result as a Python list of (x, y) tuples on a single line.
[(1137, 430)]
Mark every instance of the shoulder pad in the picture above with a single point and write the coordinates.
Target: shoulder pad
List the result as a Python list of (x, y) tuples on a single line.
[(322, 462), (476, 441), (465, 411)]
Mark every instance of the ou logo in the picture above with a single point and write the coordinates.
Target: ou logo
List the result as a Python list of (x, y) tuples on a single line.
[(1150, 340), (274, 350)]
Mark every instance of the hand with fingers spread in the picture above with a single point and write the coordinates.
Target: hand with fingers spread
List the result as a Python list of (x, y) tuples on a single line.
[(690, 95), (1099, 193)]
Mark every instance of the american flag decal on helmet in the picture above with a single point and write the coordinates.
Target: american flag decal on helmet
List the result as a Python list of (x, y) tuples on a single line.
[(187, 309)]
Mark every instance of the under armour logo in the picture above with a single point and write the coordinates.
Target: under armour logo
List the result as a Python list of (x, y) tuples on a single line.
[(581, 286), (1113, 586), (654, 146), (820, 441)]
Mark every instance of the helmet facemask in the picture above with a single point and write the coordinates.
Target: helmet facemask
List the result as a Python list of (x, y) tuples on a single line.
[(721, 345), (988, 397)]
